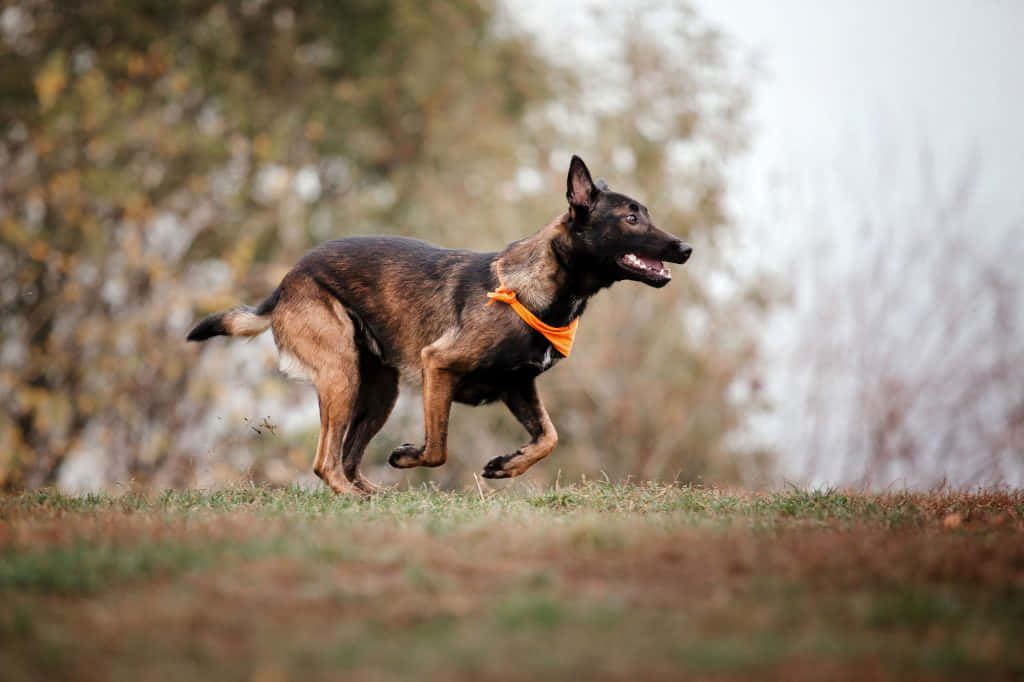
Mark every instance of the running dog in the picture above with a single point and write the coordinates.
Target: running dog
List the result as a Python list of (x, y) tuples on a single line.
[(357, 315)]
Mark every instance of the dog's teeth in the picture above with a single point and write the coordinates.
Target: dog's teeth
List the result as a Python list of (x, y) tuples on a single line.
[(635, 261)]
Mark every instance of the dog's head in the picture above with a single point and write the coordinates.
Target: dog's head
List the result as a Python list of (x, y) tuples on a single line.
[(615, 233)]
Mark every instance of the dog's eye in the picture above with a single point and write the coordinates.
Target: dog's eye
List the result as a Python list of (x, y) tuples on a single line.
[(631, 219)]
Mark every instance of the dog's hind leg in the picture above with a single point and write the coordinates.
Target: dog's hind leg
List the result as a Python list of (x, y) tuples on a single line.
[(317, 332), (378, 389), (335, 407), (525, 404)]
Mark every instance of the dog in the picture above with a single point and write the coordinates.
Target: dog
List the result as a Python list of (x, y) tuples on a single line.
[(359, 315)]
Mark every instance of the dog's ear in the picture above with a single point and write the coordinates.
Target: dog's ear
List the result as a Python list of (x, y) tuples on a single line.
[(580, 189)]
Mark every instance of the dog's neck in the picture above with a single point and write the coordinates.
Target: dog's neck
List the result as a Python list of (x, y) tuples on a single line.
[(533, 268)]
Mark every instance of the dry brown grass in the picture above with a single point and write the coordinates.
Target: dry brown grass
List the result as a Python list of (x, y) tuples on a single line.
[(592, 581)]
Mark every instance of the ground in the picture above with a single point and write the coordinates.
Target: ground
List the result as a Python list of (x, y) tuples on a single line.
[(590, 581)]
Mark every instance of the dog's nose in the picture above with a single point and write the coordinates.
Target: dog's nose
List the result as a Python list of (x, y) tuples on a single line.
[(684, 250)]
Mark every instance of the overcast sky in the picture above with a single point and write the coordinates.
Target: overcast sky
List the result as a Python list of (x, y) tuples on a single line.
[(841, 75)]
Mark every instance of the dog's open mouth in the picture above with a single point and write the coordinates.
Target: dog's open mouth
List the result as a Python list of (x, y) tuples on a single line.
[(650, 269)]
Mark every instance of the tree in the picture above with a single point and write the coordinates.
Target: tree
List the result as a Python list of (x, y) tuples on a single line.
[(162, 160)]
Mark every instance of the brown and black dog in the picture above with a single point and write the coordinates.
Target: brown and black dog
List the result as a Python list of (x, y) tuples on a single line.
[(356, 315)]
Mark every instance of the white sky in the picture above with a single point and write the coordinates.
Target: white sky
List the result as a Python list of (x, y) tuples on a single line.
[(839, 75)]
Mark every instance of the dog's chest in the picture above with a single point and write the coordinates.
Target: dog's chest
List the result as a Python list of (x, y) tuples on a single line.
[(539, 353), (508, 366), (536, 356)]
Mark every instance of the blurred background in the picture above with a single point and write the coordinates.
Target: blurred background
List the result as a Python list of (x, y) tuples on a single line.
[(847, 173)]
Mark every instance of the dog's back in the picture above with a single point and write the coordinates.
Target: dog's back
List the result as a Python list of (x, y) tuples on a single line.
[(401, 293)]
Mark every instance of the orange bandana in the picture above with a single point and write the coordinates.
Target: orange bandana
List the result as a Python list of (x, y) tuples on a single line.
[(560, 337)]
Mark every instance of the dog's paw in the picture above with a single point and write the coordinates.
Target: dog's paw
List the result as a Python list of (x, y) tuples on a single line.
[(504, 466), (406, 456), (365, 486)]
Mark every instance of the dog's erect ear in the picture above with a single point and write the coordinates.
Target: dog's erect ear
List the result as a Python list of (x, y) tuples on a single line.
[(580, 189)]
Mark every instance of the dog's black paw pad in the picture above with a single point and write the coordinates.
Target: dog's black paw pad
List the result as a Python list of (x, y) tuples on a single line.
[(498, 467), (406, 456)]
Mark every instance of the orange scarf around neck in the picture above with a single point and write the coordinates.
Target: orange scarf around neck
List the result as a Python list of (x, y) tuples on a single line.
[(560, 337)]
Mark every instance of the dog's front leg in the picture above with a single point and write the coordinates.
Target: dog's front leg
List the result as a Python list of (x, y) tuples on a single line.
[(439, 379), (525, 404)]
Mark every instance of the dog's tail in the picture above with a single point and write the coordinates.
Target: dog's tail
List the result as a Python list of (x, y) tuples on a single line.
[(241, 321)]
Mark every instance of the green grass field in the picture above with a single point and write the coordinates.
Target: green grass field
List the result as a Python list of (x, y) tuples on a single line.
[(590, 581)]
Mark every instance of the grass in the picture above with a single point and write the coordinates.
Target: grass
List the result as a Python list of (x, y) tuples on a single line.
[(592, 580)]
